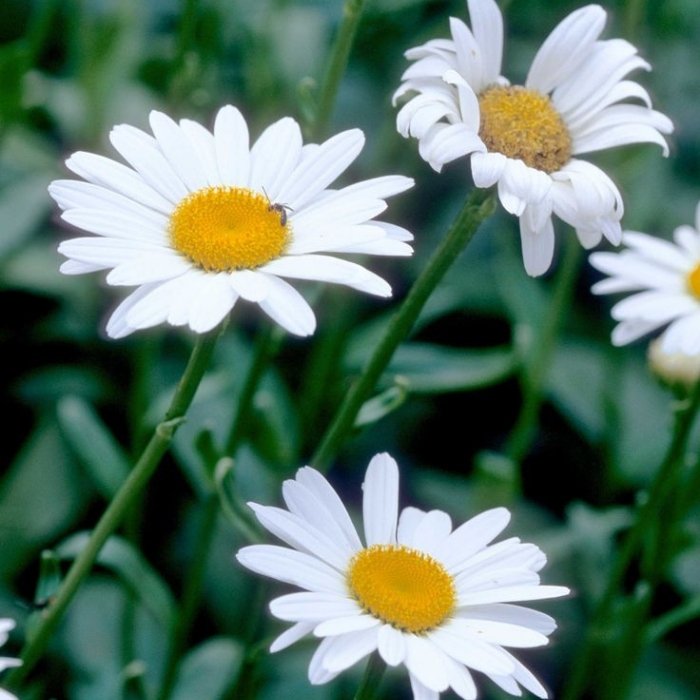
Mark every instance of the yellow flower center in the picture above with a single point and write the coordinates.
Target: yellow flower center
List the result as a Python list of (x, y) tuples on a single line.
[(402, 586), (693, 281), (229, 228), (522, 123)]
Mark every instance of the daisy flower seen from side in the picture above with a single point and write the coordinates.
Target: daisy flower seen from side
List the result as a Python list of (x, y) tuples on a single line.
[(664, 279), (6, 626), (437, 600), (197, 220), (523, 138)]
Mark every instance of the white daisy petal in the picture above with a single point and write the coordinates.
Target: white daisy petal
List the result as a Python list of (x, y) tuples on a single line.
[(509, 594), (143, 154), (391, 644), (293, 567), (343, 625), (381, 500), (274, 156), (178, 151), (395, 595), (291, 635), (297, 607), (204, 148), (487, 27), (576, 99), (231, 142), (156, 267), (420, 691), (317, 673), (117, 177), (664, 278), (327, 269), (6, 626), (315, 172), (346, 650), (284, 305), (472, 536), (565, 48), (325, 493), (426, 662)]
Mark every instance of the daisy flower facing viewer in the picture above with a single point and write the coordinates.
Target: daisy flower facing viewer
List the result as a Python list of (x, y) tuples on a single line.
[(6, 626), (198, 220), (523, 138), (665, 280), (437, 600)]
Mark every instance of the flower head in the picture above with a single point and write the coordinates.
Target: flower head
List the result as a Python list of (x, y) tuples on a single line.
[(665, 279), (6, 625), (437, 600), (524, 137), (201, 219)]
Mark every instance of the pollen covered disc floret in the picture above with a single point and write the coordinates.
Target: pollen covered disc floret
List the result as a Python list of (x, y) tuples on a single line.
[(221, 229), (404, 587), (197, 220), (576, 99), (436, 600), (522, 124)]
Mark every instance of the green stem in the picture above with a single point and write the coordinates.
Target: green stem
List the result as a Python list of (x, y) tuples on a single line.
[(479, 205), (352, 11), (121, 503), (370, 681), (684, 613), (266, 347), (648, 516), (192, 593), (539, 361)]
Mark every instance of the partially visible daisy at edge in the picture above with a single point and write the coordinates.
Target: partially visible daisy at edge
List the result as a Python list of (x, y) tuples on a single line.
[(6, 626), (664, 279), (198, 220), (437, 600), (524, 138)]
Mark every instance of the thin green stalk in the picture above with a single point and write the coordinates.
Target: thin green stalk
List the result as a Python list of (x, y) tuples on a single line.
[(191, 596), (121, 503), (372, 677), (648, 516), (266, 348), (479, 206), (537, 365), (688, 611), (352, 11)]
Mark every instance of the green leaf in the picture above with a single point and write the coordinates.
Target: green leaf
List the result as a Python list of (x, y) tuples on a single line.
[(43, 494), (121, 557), (94, 445), (24, 203), (432, 369), (208, 670), (381, 405)]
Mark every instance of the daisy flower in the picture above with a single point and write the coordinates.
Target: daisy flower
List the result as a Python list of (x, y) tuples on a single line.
[(6, 625), (437, 600), (523, 138), (197, 220), (665, 277)]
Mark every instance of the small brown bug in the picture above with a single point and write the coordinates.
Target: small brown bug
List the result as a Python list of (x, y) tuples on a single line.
[(281, 209)]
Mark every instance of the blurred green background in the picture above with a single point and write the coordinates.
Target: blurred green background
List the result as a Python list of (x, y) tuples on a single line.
[(77, 407)]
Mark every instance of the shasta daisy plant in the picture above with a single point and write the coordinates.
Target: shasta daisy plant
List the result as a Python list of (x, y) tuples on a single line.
[(198, 220), (663, 279), (440, 602), (525, 139)]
